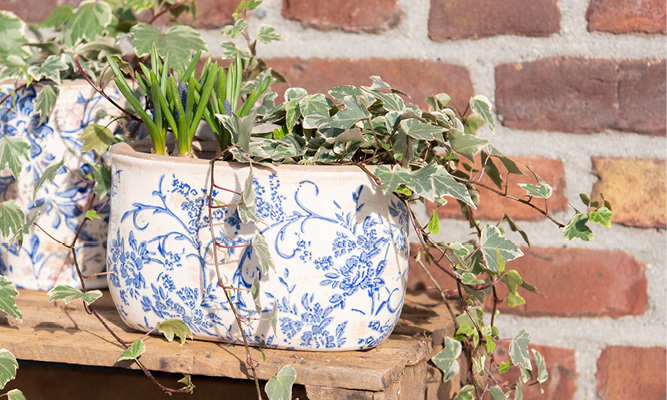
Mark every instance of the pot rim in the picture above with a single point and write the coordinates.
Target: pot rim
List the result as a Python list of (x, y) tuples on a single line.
[(139, 149)]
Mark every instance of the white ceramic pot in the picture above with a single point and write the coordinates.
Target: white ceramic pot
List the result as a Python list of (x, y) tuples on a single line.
[(340, 249), (42, 263)]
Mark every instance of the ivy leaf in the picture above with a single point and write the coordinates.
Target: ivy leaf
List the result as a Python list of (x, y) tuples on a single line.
[(187, 381), (467, 145), (175, 327), (267, 34), (378, 83), (316, 104), (504, 367), (96, 137), (102, 176), (7, 302), (11, 217), (518, 392), (58, 16), (434, 224), (577, 228), (601, 216), (254, 290), (261, 249), (466, 393), (421, 181), (391, 177), (542, 190), (497, 393), (518, 349), (12, 32), (235, 31), (280, 386), (542, 373), (88, 22), (445, 185), (515, 228), (515, 299), (179, 41), (68, 293), (246, 210), (92, 214), (240, 128), (446, 358), (539, 191), (419, 130), (353, 112), (482, 106), (48, 175), (136, 349), (340, 92), (12, 150), (494, 245), (46, 100), (8, 367), (15, 394), (49, 69)]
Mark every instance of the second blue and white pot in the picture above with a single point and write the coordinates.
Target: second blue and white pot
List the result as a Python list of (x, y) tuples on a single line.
[(340, 249)]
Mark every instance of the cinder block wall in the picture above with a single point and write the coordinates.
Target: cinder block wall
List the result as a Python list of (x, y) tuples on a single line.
[(579, 91)]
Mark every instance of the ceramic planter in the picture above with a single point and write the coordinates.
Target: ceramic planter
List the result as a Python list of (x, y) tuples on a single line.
[(42, 263), (340, 249)]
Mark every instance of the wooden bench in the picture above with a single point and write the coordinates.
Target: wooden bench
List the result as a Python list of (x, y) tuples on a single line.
[(398, 369)]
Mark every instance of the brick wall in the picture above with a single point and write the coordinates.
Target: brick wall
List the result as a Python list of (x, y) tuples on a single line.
[(579, 90)]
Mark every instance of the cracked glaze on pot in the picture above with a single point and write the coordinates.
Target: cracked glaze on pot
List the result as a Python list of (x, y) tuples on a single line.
[(42, 263), (340, 249)]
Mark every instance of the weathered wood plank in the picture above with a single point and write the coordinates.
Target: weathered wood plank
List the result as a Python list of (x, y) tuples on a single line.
[(55, 332)]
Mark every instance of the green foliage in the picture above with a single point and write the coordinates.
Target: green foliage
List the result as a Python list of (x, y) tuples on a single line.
[(46, 101), (446, 359), (136, 349), (178, 41), (280, 386), (48, 175), (88, 22), (11, 217), (175, 327), (496, 249), (12, 31), (577, 228), (68, 293), (102, 177), (8, 367), (12, 151), (96, 137), (15, 394), (518, 349), (261, 250), (7, 302)]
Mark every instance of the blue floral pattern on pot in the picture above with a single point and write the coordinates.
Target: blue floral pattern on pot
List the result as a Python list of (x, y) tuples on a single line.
[(42, 263), (340, 249)]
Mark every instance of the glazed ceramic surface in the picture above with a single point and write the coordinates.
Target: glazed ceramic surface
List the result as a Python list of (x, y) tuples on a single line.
[(340, 249), (42, 263)]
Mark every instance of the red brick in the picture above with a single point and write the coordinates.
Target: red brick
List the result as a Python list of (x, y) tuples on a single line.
[(348, 15), (631, 373), (557, 94), (582, 95), (574, 283), (622, 16), (636, 189), (641, 96), (494, 207), (419, 78), (34, 10), (562, 368), (580, 283), (474, 19)]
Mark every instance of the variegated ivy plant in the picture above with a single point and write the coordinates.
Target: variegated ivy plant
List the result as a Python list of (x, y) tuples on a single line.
[(73, 42), (418, 156)]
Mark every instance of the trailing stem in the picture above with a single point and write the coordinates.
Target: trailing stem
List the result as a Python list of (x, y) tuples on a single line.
[(249, 360)]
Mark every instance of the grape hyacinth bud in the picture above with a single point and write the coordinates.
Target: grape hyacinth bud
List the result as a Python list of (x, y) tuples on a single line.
[(227, 107)]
